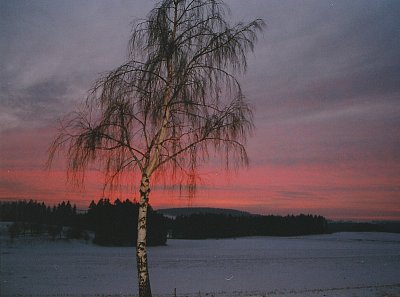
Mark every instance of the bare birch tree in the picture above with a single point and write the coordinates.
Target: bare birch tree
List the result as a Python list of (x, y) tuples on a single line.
[(173, 103)]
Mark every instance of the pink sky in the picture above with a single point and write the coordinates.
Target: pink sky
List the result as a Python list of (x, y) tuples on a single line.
[(343, 190), (324, 82)]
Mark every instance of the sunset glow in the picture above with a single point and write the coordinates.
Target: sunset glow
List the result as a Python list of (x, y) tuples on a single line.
[(324, 83)]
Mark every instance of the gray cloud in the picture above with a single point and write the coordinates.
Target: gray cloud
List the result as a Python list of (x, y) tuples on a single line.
[(16, 185), (304, 196), (325, 51), (324, 78), (325, 63), (52, 51), (326, 82), (312, 52)]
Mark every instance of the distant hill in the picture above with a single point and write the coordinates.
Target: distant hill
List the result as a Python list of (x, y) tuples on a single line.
[(187, 211)]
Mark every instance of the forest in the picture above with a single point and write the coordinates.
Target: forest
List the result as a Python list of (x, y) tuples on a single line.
[(201, 226), (114, 223)]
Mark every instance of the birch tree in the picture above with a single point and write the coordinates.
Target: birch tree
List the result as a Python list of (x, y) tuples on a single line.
[(172, 105)]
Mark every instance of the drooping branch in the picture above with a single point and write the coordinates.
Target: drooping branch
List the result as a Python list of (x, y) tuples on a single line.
[(175, 98)]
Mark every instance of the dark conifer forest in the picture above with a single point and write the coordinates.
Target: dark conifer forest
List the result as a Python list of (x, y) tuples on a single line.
[(114, 223), (200, 226)]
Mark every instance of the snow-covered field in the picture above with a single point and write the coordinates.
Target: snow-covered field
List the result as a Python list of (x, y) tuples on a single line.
[(342, 264)]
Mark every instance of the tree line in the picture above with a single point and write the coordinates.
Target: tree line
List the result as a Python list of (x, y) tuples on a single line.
[(200, 226), (112, 224), (380, 226), (34, 218), (116, 223)]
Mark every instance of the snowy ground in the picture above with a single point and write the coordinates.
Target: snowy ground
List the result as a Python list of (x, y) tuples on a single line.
[(342, 264)]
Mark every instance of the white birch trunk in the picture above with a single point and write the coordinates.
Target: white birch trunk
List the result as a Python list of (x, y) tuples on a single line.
[(141, 246)]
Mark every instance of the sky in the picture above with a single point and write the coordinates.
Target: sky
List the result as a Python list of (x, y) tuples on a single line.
[(324, 83)]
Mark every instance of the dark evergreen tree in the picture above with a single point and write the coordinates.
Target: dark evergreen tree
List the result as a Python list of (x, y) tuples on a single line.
[(115, 223), (199, 226)]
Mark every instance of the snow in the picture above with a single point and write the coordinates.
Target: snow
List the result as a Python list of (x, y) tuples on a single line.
[(341, 264)]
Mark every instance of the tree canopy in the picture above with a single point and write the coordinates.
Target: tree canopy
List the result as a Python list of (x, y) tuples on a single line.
[(173, 100)]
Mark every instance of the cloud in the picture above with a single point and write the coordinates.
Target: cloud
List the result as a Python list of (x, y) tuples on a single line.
[(324, 81), (14, 186), (313, 52), (53, 51), (297, 195)]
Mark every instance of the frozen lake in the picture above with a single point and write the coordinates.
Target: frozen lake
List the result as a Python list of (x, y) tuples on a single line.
[(341, 264)]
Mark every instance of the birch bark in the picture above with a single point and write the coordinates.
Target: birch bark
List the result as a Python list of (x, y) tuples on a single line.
[(141, 246)]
